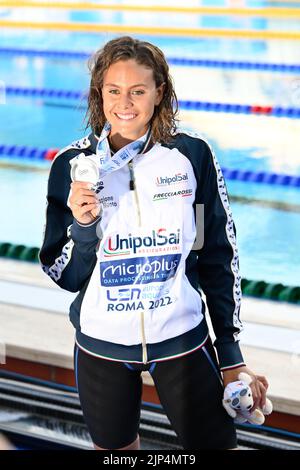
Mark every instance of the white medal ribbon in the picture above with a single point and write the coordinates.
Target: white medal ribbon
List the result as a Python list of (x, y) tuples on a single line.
[(89, 167), (109, 163)]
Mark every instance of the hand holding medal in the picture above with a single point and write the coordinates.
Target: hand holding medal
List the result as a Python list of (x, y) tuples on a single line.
[(83, 200)]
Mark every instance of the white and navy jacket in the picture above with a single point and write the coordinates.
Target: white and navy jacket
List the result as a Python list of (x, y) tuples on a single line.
[(138, 268)]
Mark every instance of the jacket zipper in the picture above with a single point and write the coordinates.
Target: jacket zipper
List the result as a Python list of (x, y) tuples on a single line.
[(132, 187), (145, 355)]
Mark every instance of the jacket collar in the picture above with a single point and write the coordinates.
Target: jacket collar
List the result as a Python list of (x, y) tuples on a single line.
[(94, 138)]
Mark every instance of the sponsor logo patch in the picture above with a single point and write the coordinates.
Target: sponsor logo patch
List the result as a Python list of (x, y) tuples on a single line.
[(118, 246), (167, 180), (141, 270), (167, 195)]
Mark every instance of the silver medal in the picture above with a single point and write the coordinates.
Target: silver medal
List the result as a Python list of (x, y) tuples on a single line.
[(84, 168)]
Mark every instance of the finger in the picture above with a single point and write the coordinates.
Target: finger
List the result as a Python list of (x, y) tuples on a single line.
[(256, 394), (95, 212), (77, 190), (82, 188), (78, 200), (82, 200), (87, 208), (76, 193), (253, 391), (263, 393), (263, 379), (81, 184)]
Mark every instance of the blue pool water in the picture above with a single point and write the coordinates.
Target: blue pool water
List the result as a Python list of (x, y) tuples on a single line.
[(267, 237)]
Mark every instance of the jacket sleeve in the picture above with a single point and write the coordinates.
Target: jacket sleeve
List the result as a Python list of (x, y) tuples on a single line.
[(68, 251), (218, 261)]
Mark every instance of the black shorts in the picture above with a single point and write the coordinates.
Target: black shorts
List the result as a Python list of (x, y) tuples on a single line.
[(190, 389)]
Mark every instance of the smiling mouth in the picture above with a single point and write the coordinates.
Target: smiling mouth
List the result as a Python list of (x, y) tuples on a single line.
[(125, 117)]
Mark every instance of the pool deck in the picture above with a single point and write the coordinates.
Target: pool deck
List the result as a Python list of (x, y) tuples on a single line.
[(46, 337)]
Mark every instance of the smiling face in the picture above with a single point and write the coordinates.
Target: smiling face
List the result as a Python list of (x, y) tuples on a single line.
[(129, 96)]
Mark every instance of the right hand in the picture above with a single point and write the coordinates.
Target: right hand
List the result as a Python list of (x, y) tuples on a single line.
[(83, 202), (259, 385)]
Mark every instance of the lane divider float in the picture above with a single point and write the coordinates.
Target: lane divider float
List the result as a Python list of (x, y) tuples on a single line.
[(262, 12), (262, 177), (188, 105), (155, 30), (179, 61)]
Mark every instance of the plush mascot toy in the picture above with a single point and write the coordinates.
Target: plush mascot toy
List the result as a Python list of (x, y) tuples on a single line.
[(238, 401)]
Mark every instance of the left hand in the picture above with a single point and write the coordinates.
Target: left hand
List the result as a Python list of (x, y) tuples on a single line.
[(259, 385)]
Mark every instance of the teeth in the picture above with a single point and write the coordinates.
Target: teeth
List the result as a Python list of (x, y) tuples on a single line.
[(126, 116)]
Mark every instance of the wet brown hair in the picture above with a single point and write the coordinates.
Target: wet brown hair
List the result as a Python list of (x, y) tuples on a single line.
[(164, 119)]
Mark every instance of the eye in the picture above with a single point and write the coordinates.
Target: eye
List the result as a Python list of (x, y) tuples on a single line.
[(113, 92), (235, 402), (138, 92)]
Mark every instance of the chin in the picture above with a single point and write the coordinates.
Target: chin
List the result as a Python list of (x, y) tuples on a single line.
[(129, 131)]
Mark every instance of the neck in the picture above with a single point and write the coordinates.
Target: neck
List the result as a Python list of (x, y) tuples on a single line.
[(117, 141)]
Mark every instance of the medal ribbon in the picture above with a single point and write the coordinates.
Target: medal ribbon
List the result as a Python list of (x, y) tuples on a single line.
[(108, 163)]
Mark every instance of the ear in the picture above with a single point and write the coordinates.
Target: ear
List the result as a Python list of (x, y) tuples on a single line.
[(159, 93), (245, 378), (228, 408)]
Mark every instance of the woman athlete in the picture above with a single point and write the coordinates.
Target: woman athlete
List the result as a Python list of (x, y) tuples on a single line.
[(129, 243)]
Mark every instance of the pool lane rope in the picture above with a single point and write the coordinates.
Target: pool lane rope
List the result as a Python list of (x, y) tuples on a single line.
[(155, 30), (263, 177), (260, 289), (32, 153), (188, 105), (278, 12), (177, 61)]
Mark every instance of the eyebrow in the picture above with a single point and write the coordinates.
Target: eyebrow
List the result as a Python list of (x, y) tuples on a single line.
[(133, 86)]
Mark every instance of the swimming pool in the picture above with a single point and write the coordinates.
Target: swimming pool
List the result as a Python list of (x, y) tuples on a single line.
[(267, 237)]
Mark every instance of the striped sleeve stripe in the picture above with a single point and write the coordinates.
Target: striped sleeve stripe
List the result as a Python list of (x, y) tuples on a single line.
[(236, 290), (235, 366), (55, 271)]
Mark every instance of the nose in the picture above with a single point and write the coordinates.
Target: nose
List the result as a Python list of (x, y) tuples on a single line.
[(125, 100)]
